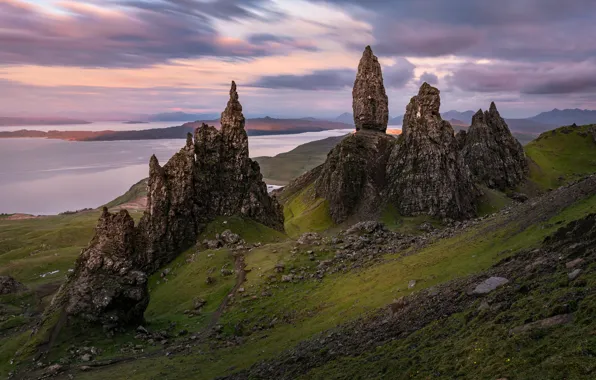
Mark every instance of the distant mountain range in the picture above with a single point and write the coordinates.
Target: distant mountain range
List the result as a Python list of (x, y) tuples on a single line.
[(182, 116), (30, 121), (559, 117), (532, 125), (254, 127)]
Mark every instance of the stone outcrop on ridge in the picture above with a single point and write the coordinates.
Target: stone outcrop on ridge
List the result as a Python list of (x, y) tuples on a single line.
[(494, 156), (427, 174)]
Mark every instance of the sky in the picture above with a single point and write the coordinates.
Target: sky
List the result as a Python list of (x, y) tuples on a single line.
[(107, 58)]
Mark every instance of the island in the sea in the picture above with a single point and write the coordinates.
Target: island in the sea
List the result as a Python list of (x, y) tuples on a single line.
[(255, 127)]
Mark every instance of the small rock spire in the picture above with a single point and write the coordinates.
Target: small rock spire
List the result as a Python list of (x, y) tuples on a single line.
[(232, 116), (370, 103)]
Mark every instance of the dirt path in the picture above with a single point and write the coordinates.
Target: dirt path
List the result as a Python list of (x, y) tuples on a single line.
[(239, 266)]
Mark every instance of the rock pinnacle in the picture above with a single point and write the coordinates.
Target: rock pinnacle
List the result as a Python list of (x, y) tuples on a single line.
[(370, 103)]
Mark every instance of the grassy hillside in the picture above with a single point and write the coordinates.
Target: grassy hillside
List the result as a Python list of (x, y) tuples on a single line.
[(136, 191), (271, 316), (562, 155), (286, 166)]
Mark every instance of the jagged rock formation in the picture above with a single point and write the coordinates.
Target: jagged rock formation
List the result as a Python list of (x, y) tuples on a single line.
[(212, 175), (107, 285), (370, 103), (427, 173), (9, 285), (494, 156), (353, 179)]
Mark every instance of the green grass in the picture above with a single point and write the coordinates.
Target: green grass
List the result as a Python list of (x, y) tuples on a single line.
[(304, 213), (249, 230), (405, 224), (136, 191), (561, 156), (32, 247), (492, 201), (286, 166), (305, 308)]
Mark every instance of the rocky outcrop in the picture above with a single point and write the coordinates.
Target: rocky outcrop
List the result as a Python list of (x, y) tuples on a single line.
[(9, 285), (107, 285), (494, 156), (212, 175), (353, 178), (427, 173), (370, 102)]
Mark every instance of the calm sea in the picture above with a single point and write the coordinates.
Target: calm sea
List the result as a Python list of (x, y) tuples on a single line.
[(39, 176)]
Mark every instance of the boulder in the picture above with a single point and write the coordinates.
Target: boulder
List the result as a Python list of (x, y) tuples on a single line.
[(494, 156), (426, 172), (489, 285), (9, 285), (370, 102)]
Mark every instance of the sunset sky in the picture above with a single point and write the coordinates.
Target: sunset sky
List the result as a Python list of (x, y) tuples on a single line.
[(100, 58)]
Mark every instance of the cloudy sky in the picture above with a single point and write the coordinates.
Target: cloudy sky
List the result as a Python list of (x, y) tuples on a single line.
[(291, 57)]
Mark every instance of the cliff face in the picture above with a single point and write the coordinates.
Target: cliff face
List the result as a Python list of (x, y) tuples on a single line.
[(353, 177), (494, 156), (212, 175), (428, 175)]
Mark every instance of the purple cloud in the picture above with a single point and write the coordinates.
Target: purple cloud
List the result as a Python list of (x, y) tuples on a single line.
[(135, 34), (429, 78), (395, 76)]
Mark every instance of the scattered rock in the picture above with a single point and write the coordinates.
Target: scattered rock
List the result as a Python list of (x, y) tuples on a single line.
[(230, 238), (367, 227), (575, 274), (287, 278), (52, 370), (574, 263), (280, 267), (544, 323), (86, 358), (212, 244), (426, 227), (9, 285), (308, 238), (198, 303), (520, 197), (489, 285), (398, 304), (411, 284)]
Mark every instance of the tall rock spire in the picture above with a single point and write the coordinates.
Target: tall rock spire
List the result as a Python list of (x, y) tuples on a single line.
[(370, 103), (427, 174), (352, 179), (232, 116)]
